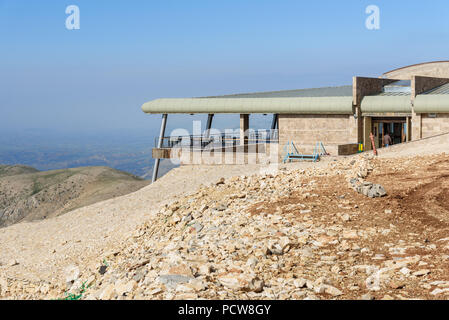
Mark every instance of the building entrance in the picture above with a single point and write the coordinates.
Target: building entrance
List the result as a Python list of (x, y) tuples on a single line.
[(395, 126)]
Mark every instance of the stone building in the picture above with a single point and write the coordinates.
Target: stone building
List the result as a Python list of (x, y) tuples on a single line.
[(410, 103)]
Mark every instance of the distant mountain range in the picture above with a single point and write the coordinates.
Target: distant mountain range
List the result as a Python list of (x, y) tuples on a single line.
[(122, 149), (130, 152)]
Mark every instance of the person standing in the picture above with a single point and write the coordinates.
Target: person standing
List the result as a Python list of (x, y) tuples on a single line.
[(387, 140)]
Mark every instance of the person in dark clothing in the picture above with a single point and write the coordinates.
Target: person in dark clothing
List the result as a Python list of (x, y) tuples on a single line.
[(387, 140)]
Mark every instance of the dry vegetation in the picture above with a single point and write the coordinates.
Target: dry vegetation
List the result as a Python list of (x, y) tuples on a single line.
[(28, 195)]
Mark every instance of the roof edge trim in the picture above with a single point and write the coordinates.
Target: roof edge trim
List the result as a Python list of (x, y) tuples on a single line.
[(296, 105)]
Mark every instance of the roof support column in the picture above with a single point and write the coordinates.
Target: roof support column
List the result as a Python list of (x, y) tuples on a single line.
[(408, 133), (244, 129), (274, 124), (159, 145), (367, 124), (210, 117), (416, 126)]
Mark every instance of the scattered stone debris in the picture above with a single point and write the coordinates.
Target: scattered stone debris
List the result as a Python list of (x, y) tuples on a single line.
[(359, 184), (293, 234), (72, 273), (13, 262), (102, 270)]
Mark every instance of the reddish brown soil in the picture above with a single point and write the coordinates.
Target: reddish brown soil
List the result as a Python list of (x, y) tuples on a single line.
[(418, 197)]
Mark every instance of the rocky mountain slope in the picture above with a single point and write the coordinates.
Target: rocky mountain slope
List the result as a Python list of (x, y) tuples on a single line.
[(293, 235), (307, 231), (27, 194)]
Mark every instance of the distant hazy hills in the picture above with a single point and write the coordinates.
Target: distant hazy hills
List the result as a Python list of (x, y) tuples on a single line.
[(27, 194), (52, 150), (15, 170)]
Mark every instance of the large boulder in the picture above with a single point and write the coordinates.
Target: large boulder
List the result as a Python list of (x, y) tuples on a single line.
[(368, 189), (377, 191)]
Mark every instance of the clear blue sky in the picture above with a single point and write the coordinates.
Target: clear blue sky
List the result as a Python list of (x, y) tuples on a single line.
[(129, 52)]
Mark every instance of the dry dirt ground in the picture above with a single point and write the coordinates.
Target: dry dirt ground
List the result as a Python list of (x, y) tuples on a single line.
[(339, 239), (413, 217)]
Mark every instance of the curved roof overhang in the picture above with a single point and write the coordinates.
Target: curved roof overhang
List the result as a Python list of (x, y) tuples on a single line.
[(295, 105), (432, 103), (386, 104), (438, 69)]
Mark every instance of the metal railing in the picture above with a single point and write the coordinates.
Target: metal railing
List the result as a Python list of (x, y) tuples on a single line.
[(218, 140)]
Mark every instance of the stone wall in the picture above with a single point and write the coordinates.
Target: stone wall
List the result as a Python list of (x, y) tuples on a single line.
[(362, 86), (424, 84), (431, 126), (367, 124), (307, 130)]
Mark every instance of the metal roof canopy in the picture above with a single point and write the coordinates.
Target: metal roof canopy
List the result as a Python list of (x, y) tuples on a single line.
[(432, 103), (286, 105), (444, 89), (341, 91), (386, 104)]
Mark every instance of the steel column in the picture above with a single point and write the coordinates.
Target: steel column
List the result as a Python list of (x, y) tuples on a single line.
[(274, 124), (159, 145), (210, 117)]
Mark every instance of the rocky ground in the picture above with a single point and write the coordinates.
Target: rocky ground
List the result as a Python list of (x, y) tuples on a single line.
[(325, 232)]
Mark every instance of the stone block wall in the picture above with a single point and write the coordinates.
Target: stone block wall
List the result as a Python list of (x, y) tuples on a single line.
[(431, 126), (307, 130)]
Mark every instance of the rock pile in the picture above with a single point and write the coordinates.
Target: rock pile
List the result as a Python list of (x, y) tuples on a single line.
[(357, 180)]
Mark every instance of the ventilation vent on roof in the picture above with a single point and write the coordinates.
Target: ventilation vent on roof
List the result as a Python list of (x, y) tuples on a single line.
[(403, 86)]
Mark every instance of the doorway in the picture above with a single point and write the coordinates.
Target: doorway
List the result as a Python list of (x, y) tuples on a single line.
[(395, 126)]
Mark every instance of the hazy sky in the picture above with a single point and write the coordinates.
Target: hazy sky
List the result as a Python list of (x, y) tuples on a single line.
[(130, 52)]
